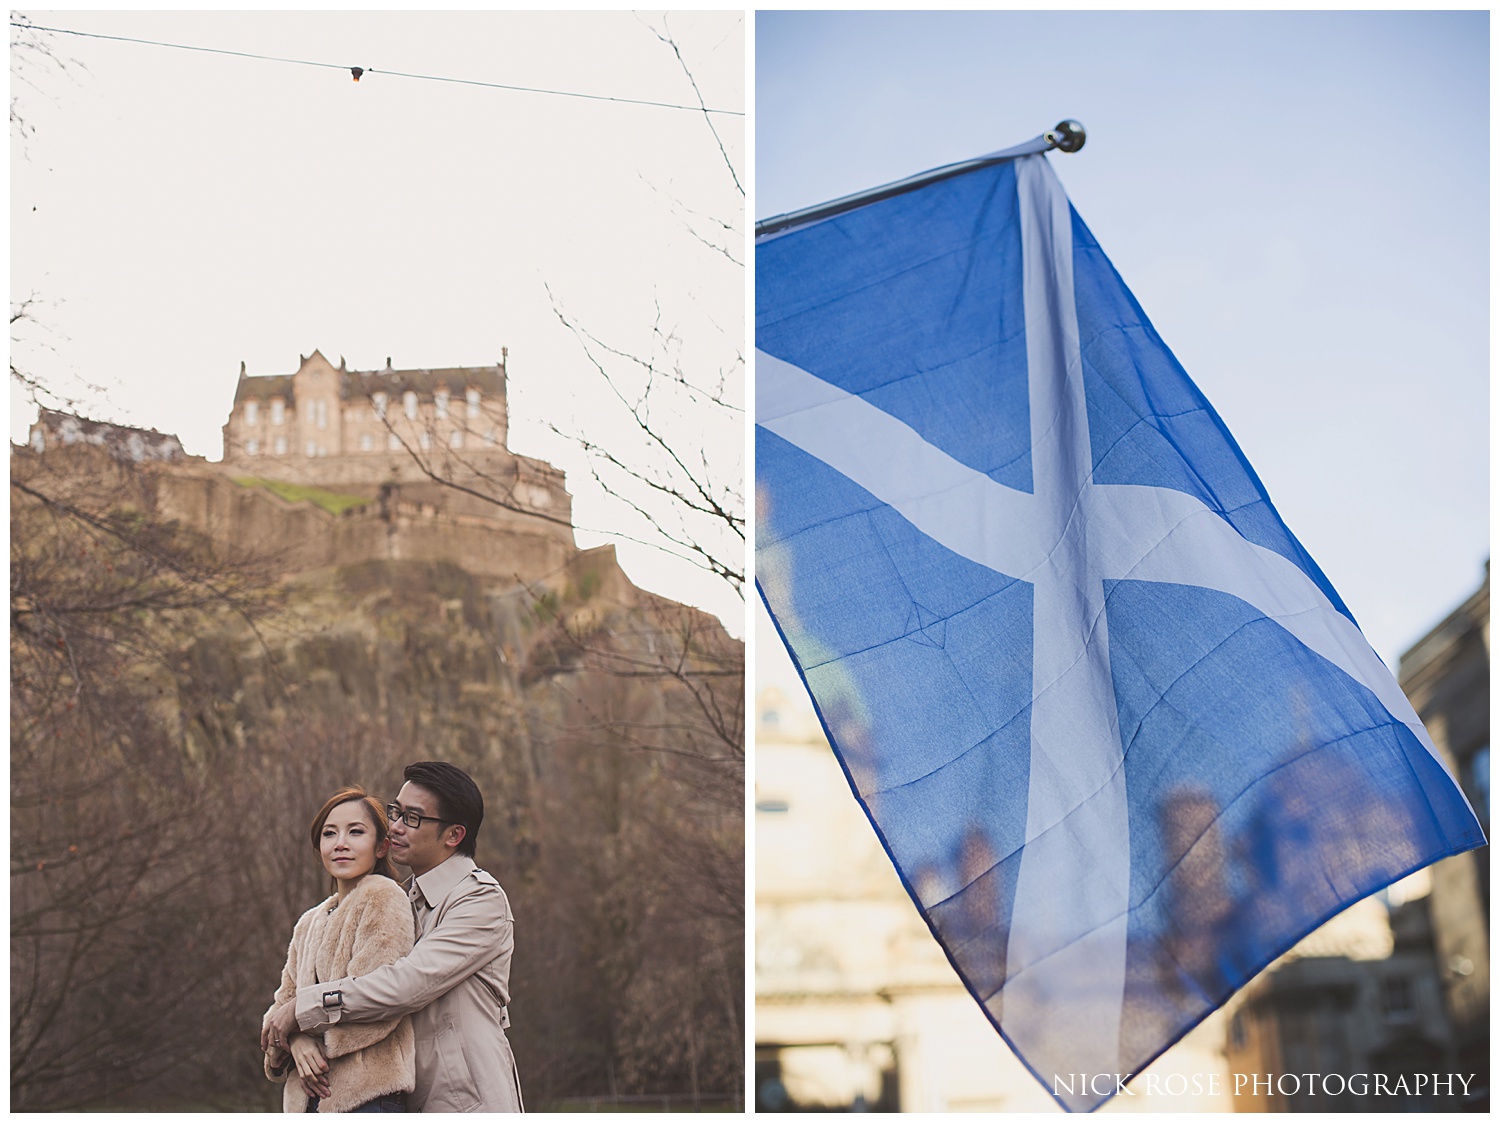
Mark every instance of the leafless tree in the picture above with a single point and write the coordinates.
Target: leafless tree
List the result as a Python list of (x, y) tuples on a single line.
[(158, 848), (33, 61), (637, 880), (108, 818), (664, 475), (34, 64), (687, 497), (640, 862)]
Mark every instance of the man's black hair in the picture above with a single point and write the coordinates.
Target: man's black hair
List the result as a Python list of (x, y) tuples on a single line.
[(458, 796)]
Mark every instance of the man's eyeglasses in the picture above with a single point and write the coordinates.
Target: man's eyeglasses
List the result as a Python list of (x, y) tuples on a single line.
[(412, 819)]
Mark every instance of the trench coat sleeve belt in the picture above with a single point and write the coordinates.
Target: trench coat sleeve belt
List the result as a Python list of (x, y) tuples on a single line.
[(474, 931)]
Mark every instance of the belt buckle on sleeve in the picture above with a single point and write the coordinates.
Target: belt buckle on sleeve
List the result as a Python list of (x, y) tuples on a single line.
[(333, 999)]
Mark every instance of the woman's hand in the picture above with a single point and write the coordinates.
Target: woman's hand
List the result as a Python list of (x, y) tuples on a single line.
[(312, 1067), (279, 1026)]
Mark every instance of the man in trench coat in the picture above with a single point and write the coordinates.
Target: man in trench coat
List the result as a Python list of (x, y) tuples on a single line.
[(456, 982)]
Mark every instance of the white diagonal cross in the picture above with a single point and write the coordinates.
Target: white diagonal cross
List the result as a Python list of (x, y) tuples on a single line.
[(1065, 963)]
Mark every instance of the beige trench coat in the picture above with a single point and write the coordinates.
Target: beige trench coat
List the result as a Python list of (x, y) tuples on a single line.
[(455, 984)]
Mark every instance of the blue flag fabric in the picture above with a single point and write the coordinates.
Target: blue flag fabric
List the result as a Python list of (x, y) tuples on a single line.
[(1119, 735)]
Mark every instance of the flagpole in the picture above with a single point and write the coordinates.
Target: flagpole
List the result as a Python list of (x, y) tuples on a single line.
[(1067, 136)]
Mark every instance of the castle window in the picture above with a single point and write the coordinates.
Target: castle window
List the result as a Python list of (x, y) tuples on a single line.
[(252, 447), (471, 395), (440, 403), (366, 442), (409, 403), (456, 439), (489, 437), (312, 448), (280, 446), (378, 400), (278, 411), (320, 414), (425, 440), (392, 441), (252, 413)]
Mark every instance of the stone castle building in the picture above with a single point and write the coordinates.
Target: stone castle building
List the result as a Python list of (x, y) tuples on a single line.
[(57, 429), (325, 411), (327, 425), (391, 435), (328, 466)]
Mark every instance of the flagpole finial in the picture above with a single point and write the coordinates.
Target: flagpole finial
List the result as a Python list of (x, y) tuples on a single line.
[(1067, 135)]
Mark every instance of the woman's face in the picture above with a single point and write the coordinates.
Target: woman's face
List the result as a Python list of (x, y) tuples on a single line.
[(348, 842)]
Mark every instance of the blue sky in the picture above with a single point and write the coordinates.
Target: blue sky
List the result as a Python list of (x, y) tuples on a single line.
[(1300, 202)]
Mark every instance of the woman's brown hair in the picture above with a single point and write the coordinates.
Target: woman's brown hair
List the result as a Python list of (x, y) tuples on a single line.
[(376, 814)]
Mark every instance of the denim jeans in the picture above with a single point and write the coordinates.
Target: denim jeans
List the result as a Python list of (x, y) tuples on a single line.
[(396, 1101)]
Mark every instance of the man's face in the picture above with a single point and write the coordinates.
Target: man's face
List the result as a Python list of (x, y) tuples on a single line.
[(420, 848)]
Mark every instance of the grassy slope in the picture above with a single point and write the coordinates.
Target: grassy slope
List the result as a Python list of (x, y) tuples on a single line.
[(294, 493)]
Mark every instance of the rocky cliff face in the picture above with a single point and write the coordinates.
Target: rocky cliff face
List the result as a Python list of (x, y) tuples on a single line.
[(604, 725)]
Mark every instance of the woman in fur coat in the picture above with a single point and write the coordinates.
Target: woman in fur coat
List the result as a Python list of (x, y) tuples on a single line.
[(366, 923)]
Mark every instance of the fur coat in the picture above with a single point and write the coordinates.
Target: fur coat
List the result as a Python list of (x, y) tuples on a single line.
[(372, 927)]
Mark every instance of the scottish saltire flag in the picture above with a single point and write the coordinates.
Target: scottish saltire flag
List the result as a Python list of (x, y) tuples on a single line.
[(1121, 738)]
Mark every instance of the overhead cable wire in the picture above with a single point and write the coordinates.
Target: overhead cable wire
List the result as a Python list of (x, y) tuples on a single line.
[(362, 70)]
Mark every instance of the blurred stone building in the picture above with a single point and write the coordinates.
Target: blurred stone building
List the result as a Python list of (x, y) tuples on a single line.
[(856, 1006), (322, 410), (1398, 985), (1446, 675), (55, 429), (1355, 999)]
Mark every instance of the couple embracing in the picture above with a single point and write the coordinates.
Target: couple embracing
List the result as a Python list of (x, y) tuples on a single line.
[(394, 996)]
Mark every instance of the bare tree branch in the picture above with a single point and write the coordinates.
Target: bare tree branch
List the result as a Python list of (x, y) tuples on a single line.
[(689, 489), (707, 117)]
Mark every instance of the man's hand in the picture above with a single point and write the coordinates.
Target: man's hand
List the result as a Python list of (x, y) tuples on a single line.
[(311, 1066), (279, 1028)]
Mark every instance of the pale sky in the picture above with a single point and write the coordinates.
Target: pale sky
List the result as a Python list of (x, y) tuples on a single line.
[(176, 212), (1299, 201)]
